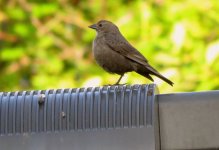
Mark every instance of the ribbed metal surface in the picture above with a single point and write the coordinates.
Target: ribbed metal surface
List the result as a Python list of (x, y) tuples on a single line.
[(76, 109)]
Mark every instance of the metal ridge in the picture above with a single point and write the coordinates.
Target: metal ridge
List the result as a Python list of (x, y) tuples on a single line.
[(107, 107)]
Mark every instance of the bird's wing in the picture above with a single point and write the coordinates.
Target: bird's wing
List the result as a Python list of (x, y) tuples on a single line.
[(122, 46)]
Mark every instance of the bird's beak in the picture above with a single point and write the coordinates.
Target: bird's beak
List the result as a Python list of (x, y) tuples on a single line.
[(93, 26)]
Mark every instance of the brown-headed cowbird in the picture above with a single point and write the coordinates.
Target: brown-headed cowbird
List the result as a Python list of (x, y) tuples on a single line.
[(116, 55)]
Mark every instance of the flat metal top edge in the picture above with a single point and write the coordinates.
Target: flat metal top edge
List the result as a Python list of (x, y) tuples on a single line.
[(190, 93), (82, 89)]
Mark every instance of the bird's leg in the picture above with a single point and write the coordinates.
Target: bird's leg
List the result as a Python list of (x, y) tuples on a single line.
[(119, 79)]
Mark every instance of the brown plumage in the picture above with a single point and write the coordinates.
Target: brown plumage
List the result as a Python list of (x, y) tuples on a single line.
[(116, 55)]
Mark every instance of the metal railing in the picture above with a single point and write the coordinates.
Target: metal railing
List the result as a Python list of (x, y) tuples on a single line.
[(111, 117)]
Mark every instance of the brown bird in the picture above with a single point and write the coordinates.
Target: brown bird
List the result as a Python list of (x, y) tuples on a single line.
[(116, 55)]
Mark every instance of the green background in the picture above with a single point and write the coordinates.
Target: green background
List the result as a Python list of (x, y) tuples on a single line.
[(47, 44)]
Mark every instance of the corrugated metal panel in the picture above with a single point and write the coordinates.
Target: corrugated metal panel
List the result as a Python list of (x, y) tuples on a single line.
[(81, 109)]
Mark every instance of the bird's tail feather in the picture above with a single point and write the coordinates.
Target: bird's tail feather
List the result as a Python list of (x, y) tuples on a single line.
[(147, 70)]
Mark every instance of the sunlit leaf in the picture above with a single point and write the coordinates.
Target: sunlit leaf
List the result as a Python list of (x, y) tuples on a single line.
[(212, 52), (23, 30), (16, 13), (10, 54), (42, 10)]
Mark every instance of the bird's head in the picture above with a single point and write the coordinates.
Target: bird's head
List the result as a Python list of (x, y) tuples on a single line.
[(104, 26)]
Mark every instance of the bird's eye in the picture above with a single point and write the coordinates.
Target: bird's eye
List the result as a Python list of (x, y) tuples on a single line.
[(100, 25)]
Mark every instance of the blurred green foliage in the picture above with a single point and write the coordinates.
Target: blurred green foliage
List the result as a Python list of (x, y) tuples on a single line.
[(47, 44)]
